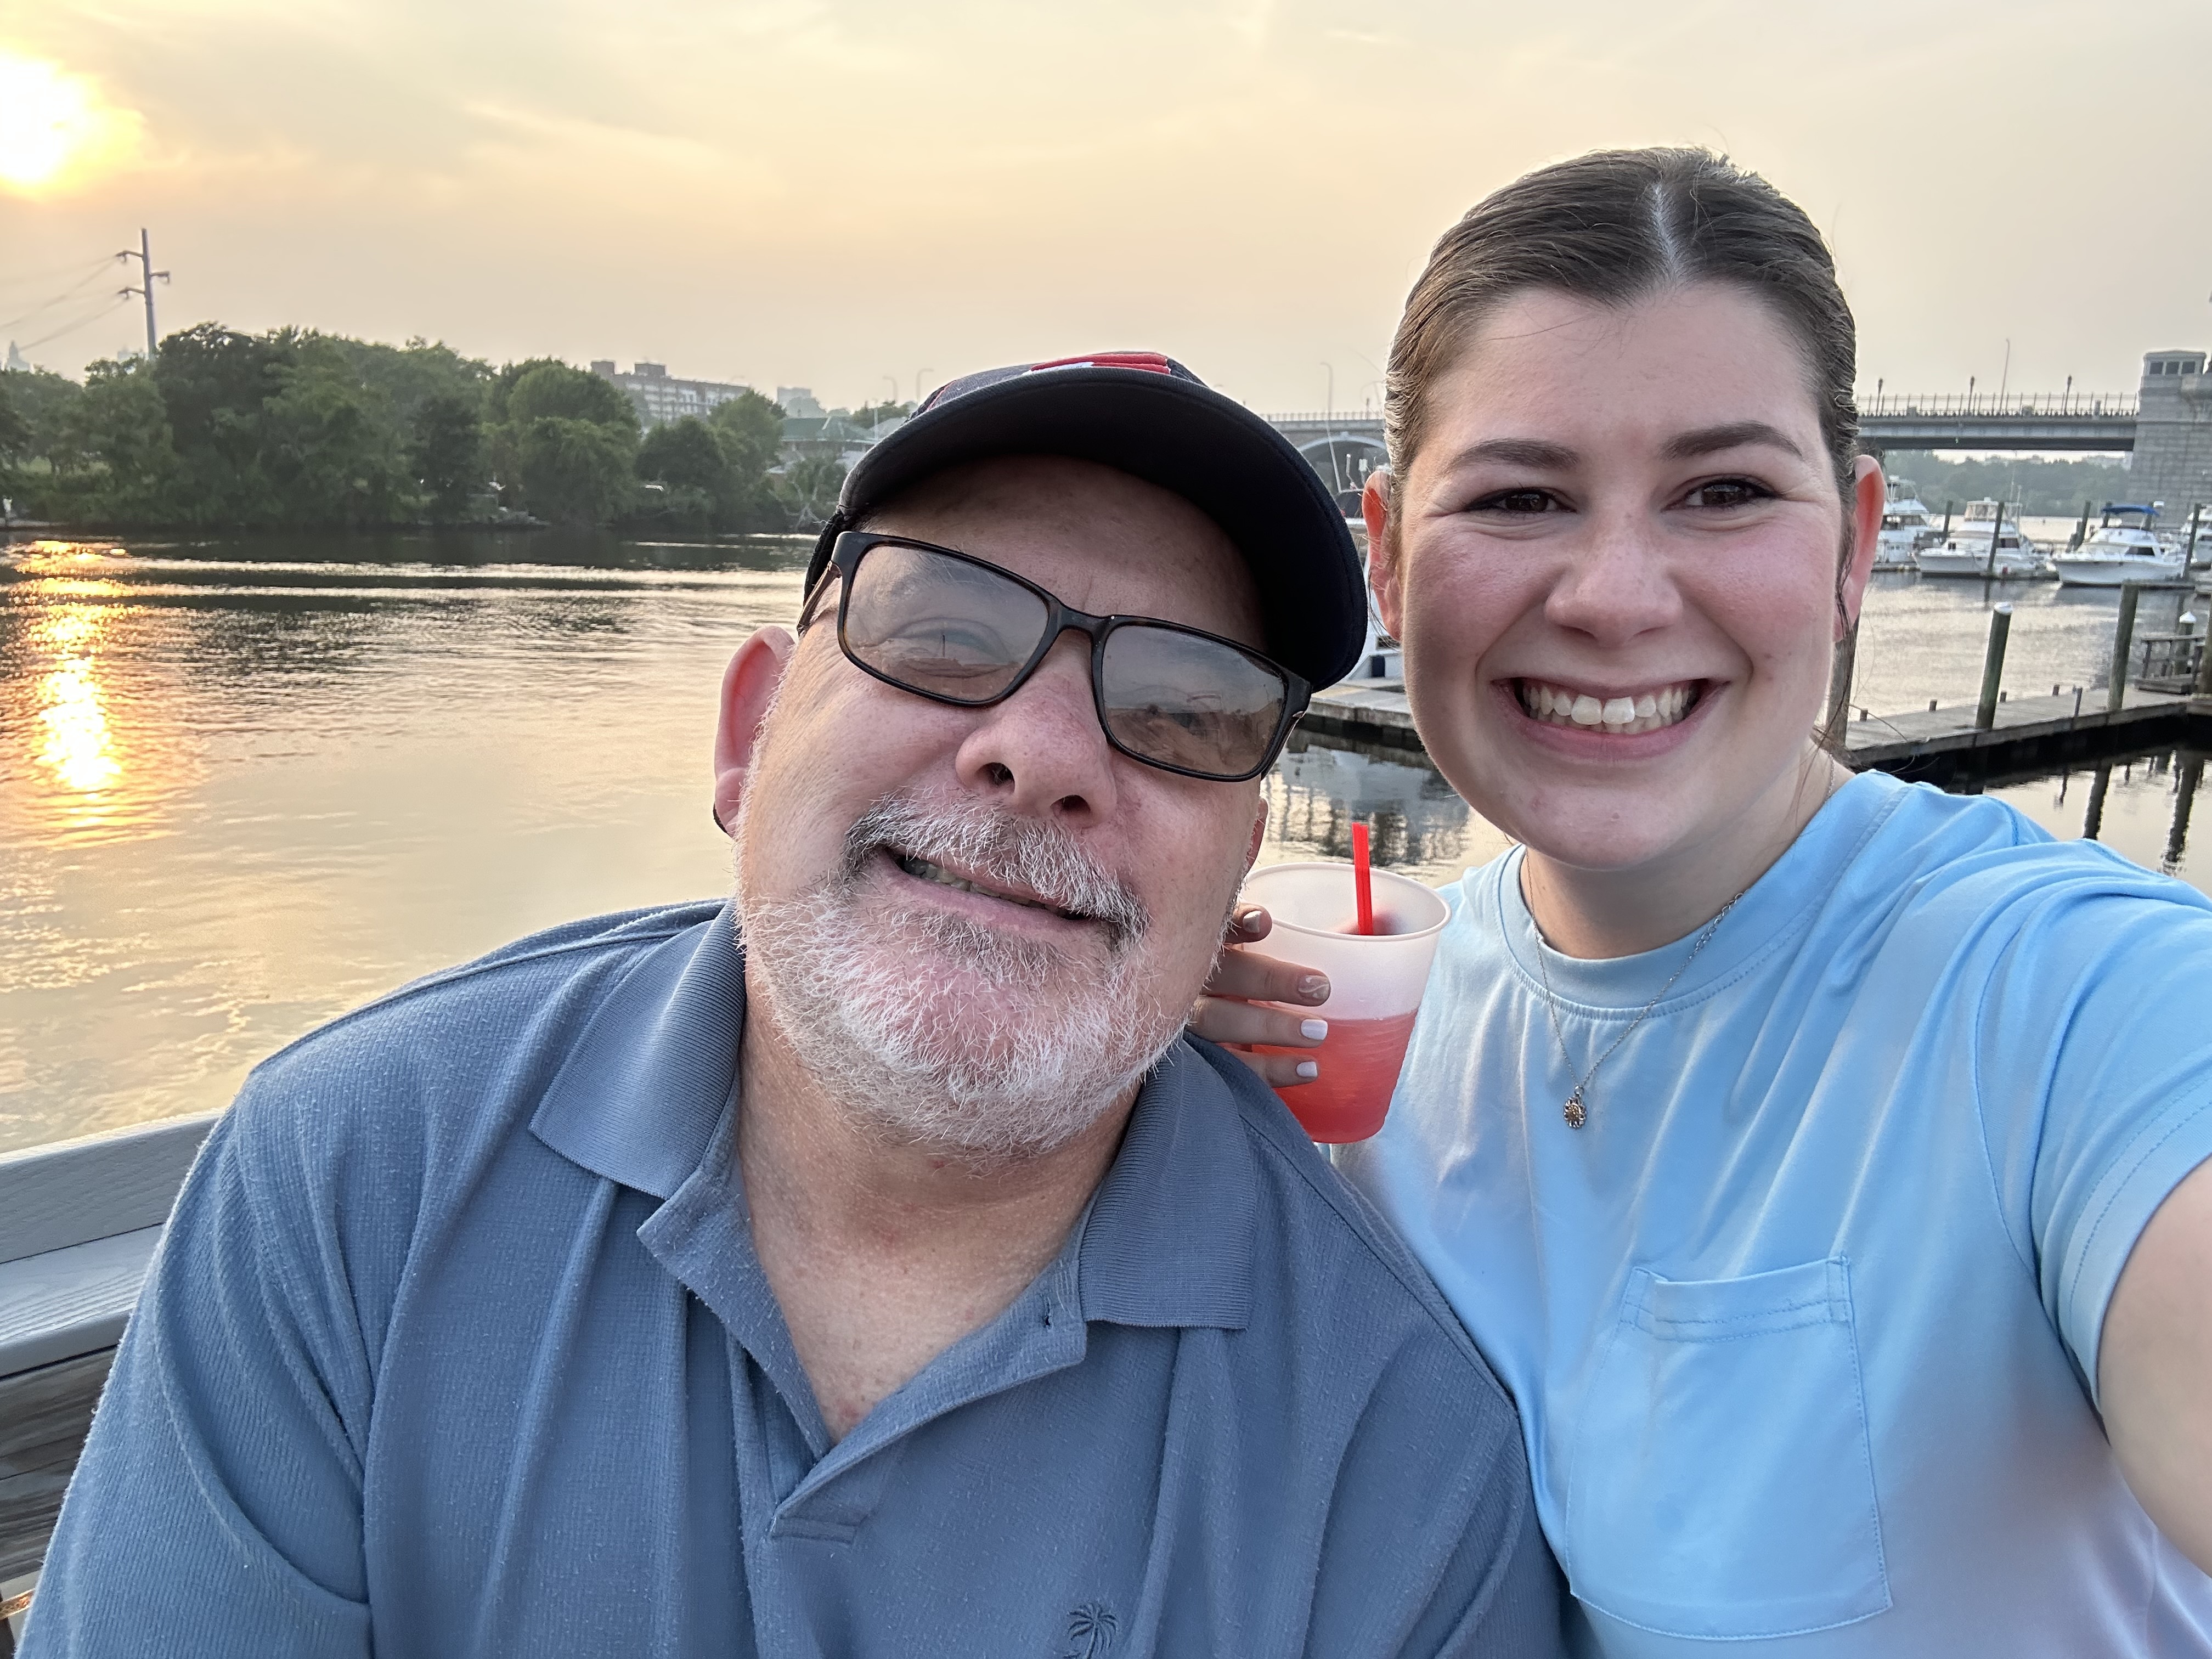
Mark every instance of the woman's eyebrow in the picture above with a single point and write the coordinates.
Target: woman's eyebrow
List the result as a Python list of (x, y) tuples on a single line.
[(1712, 439), (1536, 453)]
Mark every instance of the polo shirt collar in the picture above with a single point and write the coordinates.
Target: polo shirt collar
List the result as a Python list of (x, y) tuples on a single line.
[(1167, 1239), (638, 1097)]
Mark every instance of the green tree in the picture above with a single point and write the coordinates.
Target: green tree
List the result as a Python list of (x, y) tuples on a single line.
[(120, 429), (214, 381), (445, 446), (410, 376), (15, 428), (750, 430), (546, 409), (328, 448), (573, 471), (570, 394), (808, 489), (692, 462)]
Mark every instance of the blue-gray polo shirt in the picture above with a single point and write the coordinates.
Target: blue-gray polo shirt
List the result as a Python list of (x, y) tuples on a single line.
[(458, 1344)]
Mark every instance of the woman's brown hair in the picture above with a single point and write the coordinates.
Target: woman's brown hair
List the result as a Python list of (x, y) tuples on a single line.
[(1611, 227)]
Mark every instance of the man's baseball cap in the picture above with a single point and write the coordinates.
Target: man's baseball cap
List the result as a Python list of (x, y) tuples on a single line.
[(1148, 416)]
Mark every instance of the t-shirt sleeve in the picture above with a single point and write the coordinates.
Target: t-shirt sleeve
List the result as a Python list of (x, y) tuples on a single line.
[(2095, 1083), (217, 1506)]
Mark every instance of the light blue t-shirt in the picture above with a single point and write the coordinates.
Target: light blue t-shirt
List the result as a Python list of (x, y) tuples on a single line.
[(1803, 1324)]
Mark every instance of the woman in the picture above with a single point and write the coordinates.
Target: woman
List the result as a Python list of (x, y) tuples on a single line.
[(1811, 1154)]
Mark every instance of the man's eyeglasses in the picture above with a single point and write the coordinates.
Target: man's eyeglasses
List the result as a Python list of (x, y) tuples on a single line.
[(953, 628)]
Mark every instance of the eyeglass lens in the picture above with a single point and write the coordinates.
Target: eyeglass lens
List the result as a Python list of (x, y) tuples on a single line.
[(962, 632)]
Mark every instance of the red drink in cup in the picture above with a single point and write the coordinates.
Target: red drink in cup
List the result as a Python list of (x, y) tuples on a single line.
[(1375, 984)]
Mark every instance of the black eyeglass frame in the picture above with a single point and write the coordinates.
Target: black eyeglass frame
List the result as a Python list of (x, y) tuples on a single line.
[(851, 545)]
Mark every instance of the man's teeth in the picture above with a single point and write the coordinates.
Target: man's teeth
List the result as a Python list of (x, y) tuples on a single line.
[(1649, 711), (944, 878)]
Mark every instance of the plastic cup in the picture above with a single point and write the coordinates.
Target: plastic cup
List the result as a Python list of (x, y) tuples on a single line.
[(1375, 982)]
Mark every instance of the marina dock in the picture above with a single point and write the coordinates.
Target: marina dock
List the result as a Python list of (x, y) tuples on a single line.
[(1942, 745)]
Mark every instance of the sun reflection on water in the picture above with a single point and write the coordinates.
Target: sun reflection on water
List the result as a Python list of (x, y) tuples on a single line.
[(71, 732)]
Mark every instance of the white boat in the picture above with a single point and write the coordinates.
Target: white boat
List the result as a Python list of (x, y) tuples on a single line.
[(2122, 548), (1987, 542), (1906, 527)]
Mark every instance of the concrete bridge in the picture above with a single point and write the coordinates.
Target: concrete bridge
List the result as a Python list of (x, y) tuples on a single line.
[(2078, 421)]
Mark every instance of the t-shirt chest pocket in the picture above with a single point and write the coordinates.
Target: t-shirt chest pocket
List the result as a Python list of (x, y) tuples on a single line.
[(1721, 1485)]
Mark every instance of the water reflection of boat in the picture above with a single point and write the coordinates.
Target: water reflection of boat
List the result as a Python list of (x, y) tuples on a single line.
[(1988, 542), (1906, 527), (2122, 548)]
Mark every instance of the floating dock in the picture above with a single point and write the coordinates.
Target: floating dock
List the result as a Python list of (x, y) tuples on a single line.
[(2029, 735)]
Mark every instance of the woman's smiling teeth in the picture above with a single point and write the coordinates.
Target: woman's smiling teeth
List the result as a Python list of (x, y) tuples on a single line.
[(1647, 711)]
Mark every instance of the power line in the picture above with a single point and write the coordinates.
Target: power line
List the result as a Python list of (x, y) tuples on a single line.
[(107, 306), (46, 273), (83, 282)]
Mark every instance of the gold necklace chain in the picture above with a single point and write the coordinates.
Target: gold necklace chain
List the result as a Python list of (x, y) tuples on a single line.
[(1575, 1111)]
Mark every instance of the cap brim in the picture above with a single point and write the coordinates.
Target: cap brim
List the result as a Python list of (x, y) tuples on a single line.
[(1176, 434)]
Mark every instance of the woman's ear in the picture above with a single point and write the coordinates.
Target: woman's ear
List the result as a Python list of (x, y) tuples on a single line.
[(1382, 553), (1870, 495), (748, 688)]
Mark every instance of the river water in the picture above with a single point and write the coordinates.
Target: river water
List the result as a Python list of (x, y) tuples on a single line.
[(246, 785)]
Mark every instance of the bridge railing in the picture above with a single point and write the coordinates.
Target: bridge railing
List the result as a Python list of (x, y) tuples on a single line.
[(1324, 417), (2041, 405)]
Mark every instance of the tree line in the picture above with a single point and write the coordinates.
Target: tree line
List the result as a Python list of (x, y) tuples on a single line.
[(294, 428), (2042, 488)]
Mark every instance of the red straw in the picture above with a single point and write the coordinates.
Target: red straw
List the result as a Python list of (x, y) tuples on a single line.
[(1362, 882)]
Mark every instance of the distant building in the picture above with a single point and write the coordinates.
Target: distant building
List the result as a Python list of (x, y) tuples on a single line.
[(799, 401), (2172, 461), (660, 399), (17, 362)]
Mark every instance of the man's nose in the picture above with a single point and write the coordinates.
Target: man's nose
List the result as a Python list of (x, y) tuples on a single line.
[(1041, 750), (1616, 581)]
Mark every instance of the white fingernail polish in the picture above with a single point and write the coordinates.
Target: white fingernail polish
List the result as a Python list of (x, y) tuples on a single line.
[(1315, 1029), (1309, 1069)]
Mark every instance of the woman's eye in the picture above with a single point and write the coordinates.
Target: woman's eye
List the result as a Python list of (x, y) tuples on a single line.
[(1726, 492), (1520, 501)]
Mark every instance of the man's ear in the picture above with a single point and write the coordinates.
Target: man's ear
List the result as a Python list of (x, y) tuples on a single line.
[(748, 688), (1259, 834), (1383, 575)]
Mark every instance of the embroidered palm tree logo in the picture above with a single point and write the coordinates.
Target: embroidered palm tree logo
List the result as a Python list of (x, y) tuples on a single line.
[(1091, 1630)]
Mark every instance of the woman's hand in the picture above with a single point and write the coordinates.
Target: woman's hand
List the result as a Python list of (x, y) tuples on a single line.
[(1228, 1010)]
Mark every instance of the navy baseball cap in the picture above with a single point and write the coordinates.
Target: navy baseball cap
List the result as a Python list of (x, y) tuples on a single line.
[(1148, 416)]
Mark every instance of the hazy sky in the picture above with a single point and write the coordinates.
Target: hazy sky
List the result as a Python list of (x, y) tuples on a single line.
[(847, 193)]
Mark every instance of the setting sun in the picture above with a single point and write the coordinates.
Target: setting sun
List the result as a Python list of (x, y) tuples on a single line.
[(54, 127)]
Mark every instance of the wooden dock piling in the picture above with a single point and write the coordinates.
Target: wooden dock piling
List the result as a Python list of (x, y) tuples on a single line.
[(2123, 639), (1993, 666)]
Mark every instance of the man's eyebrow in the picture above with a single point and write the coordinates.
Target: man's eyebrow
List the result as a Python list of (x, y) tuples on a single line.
[(1712, 439), (1535, 452)]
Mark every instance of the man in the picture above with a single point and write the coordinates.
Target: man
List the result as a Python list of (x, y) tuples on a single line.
[(865, 1266)]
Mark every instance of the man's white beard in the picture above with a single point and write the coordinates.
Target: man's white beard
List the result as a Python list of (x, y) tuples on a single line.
[(940, 1031)]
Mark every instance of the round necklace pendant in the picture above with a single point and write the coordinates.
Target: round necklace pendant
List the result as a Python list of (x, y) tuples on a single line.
[(1573, 1112)]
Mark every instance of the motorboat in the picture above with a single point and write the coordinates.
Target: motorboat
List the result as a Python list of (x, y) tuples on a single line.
[(1906, 527), (2122, 548), (1987, 542)]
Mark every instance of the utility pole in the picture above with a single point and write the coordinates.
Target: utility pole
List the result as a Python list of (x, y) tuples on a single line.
[(144, 253)]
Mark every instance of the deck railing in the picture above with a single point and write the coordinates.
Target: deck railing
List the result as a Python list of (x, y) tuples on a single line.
[(2014, 405)]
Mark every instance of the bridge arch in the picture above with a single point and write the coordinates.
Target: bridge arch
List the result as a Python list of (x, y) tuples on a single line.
[(1343, 459)]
